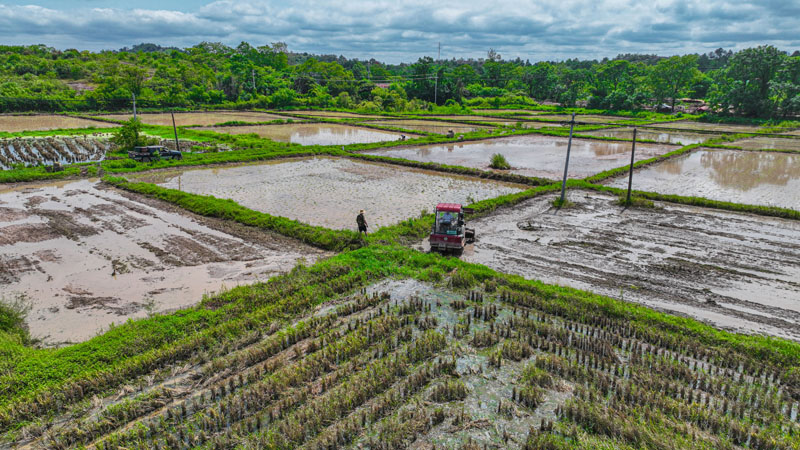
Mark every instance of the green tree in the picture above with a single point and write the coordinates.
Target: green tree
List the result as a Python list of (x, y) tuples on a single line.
[(129, 135), (744, 84), (671, 78)]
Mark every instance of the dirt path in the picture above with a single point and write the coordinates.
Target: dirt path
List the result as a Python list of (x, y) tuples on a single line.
[(736, 271), (88, 256)]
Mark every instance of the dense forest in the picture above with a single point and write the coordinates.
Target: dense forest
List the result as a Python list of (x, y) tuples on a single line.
[(755, 82)]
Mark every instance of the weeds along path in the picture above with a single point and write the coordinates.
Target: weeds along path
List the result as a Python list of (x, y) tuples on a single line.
[(475, 358)]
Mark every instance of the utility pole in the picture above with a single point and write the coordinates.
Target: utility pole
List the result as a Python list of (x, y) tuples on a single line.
[(254, 79), (134, 105), (175, 129), (439, 58), (630, 174), (566, 165)]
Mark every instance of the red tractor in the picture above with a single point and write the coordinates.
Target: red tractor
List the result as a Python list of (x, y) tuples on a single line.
[(449, 230)]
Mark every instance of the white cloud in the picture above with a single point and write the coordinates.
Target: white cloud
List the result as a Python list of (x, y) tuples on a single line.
[(407, 29)]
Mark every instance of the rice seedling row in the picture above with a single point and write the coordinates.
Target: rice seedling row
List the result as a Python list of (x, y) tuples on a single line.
[(30, 152)]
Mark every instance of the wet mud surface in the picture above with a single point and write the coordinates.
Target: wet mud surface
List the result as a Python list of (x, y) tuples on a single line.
[(532, 155), (330, 192), (430, 126), (87, 256), (198, 118), (313, 133), (736, 271), (723, 128), (763, 143), (13, 124), (654, 135), (756, 178)]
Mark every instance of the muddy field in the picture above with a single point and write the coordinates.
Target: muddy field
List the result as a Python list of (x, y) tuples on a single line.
[(723, 128), (13, 124), (663, 137), (198, 118), (330, 192), (89, 256), (763, 143), (755, 178), (313, 133), (737, 271), (532, 155), (430, 126), (49, 150)]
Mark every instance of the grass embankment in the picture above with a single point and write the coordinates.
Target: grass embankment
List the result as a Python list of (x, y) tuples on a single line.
[(35, 382)]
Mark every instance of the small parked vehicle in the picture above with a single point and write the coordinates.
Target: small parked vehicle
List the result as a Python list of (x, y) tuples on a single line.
[(153, 153)]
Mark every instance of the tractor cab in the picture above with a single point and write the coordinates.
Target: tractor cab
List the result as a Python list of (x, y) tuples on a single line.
[(449, 228)]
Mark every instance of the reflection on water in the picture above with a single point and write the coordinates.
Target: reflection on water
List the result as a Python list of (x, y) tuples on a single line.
[(746, 170), (756, 178), (651, 135), (312, 133), (538, 156)]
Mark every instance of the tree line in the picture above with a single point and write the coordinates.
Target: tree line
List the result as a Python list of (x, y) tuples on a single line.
[(755, 82)]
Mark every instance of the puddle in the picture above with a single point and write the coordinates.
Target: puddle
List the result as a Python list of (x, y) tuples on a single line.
[(198, 118), (330, 192), (14, 124), (663, 137), (724, 128), (314, 133), (673, 258), (430, 126), (537, 156), (762, 143), (48, 150), (88, 257), (756, 178)]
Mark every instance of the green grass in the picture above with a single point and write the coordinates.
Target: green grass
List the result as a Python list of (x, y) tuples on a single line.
[(499, 162)]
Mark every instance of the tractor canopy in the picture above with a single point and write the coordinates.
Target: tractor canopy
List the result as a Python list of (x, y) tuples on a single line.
[(451, 207)]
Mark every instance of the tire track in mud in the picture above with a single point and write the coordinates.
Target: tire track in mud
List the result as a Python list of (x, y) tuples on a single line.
[(736, 271)]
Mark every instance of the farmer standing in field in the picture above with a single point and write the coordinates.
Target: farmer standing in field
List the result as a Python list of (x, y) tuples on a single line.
[(362, 222)]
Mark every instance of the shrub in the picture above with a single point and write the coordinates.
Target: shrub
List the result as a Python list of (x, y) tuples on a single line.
[(499, 162), (13, 313)]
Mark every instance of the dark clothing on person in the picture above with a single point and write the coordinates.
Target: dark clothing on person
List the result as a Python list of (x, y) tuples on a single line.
[(362, 223)]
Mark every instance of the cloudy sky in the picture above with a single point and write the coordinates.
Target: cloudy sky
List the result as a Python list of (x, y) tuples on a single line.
[(404, 30)]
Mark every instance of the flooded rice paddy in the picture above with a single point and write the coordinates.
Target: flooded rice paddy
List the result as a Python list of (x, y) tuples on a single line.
[(199, 118), (664, 137), (505, 111), (430, 126), (88, 256), (766, 143), (14, 124), (755, 178), (49, 150), (738, 271), (313, 133), (330, 192), (588, 118), (719, 127), (532, 155)]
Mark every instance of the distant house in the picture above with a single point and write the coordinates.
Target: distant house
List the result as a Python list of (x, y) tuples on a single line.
[(382, 85)]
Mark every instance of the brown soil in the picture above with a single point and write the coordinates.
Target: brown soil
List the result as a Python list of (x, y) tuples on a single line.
[(88, 255), (736, 271)]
